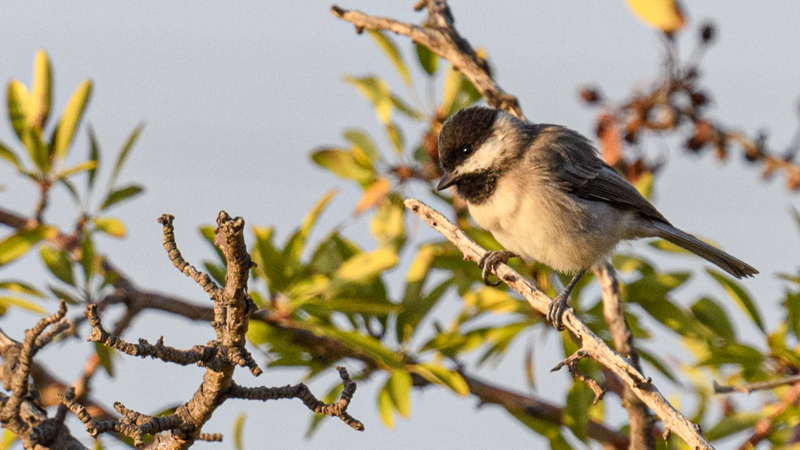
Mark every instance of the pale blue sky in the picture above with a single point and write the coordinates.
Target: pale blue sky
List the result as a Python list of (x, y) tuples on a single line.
[(236, 95)]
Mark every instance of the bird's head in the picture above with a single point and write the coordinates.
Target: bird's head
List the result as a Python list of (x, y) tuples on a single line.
[(476, 140)]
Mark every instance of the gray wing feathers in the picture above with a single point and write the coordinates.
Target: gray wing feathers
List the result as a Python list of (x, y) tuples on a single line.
[(577, 168)]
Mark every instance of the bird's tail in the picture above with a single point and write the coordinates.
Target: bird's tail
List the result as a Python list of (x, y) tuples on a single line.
[(724, 261)]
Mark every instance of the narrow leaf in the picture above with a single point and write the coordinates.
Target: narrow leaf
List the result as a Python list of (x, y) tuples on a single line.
[(59, 264), (436, 373), (94, 155), (238, 431), (427, 59), (21, 287), (344, 164), (123, 153), (377, 91), (41, 95), (363, 141), (399, 388), (119, 195), (111, 226), (388, 46), (20, 242), (30, 305), (18, 101), (740, 296), (69, 121), (82, 167), (386, 408), (10, 156)]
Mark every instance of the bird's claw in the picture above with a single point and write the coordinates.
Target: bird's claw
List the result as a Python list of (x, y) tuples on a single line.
[(488, 263), (555, 314)]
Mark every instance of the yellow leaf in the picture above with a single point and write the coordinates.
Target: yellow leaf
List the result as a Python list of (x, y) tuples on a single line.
[(665, 15), (111, 226), (41, 96)]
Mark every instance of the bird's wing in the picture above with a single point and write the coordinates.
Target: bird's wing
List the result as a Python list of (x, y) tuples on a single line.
[(575, 166)]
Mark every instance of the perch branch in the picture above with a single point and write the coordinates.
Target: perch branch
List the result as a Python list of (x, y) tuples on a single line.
[(592, 345)]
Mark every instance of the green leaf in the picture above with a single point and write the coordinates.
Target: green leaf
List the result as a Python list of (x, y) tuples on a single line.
[(59, 263), (658, 365), (68, 124), (413, 306), (82, 167), (72, 191), (10, 156), (386, 408), (366, 265), (712, 315), (94, 155), (732, 424), (406, 109), (427, 59), (576, 412), (399, 388), (105, 356), (18, 106), (238, 428), (438, 374), (21, 287), (345, 164), (87, 256), (41, 95), (271, 265), (111, 226), (37, 148), (30, 305), (387, 45), (792, 304), (363, 343), (739, 354), (297, 243), (377, 91), (362, 141), (119, 195), (123, 153), (20, 242), (740, 296)]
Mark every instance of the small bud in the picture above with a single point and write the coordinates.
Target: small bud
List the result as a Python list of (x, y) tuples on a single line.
[(708, 32), (698, 98), (590, 95)]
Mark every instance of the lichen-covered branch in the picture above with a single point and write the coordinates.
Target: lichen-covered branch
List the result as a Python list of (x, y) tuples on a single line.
[(175, 256), (591, 345), (302, 392)]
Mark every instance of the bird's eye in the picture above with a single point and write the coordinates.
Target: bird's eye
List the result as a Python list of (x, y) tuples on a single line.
[(467, 150)]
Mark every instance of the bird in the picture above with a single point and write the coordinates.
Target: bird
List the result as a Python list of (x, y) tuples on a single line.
[(545, 195)]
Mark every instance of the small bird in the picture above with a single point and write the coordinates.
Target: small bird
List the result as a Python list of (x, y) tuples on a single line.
[(545, 195)]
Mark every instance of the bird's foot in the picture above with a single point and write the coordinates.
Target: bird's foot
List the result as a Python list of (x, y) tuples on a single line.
[(555, 314), (489, 262)]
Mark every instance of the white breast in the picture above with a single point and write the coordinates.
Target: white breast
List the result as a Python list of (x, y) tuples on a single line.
[(540, 222)]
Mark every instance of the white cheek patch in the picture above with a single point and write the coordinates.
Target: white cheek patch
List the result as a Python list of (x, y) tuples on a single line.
[(486, 156), (492, 150)]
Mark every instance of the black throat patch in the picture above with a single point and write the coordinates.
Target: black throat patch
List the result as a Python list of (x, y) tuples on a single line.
[(477, 187)]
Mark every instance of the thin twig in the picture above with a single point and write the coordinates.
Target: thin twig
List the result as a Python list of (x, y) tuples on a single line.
[(760, 386)]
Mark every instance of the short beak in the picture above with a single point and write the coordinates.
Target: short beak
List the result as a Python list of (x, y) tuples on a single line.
[(448, 179)]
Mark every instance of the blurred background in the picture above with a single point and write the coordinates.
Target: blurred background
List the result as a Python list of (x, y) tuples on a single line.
[(235, 96)]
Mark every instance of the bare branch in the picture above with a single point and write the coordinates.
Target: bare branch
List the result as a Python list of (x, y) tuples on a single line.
[(592, 345), (175, 256), (302, 392), (572, 364)]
